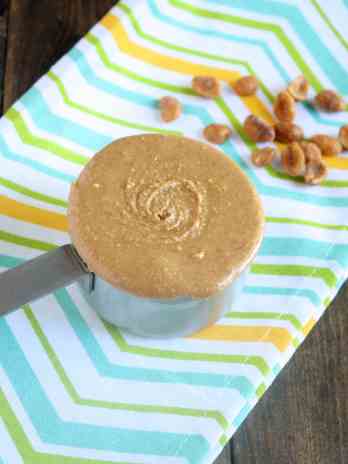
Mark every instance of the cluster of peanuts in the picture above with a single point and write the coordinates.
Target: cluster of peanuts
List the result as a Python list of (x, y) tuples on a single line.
[(301, 156)]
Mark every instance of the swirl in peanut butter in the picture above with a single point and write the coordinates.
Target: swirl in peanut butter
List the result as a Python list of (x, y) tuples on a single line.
[(172, 209)]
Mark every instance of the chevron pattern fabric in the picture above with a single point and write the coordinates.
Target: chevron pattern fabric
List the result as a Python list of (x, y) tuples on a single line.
[(75, 390)]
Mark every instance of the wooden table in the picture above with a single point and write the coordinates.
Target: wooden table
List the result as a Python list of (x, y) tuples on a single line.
[(303, 418)]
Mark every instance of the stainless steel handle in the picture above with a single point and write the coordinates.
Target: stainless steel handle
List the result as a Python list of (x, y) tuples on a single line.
[(39, 277)]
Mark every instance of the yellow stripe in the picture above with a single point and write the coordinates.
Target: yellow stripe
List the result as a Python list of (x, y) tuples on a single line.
[(337, 162), (278, 336), (309, 326), (32, 214), (115, 27)]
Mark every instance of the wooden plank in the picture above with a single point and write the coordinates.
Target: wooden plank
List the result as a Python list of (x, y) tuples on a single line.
[(225, 456), (3, 34), (39, 33), (303, 418)]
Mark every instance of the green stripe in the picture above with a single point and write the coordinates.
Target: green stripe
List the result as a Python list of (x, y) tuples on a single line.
[(326, 183), (215, 415), (261, 390), (329, 23), (296, 270), (32, 194), (254, 24), (190, 51), (133, 76), (24, 447), (256, 361), (26, 242), (105, 117), (223, 440), (266, 315), (44, 144), (318, 225)]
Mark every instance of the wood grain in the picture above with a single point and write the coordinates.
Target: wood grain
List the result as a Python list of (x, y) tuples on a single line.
[(39, 33), (3, 41), (303, 418), (225, 456)]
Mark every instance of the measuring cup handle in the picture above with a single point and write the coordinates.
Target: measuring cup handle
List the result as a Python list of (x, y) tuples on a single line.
[(39, 277)]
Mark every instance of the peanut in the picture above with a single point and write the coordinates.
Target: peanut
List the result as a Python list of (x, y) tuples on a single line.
[(206, 86), (316, 172), (299, 88), (257, 130), (329, 101), (246, 86), (217, 133), (343, 136), (293, 159), (170, 109), (284, 107), (287, 132), (329, 146), (263, 156), (311, 151)]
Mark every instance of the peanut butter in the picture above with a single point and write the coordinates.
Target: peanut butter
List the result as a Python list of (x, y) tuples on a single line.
[(165, 216)]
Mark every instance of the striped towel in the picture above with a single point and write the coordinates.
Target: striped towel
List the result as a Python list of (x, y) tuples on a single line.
[(75, 390)]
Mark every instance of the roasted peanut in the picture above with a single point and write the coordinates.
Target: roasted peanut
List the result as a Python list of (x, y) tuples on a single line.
[(284, 107), (263, 156), (343, 136), (246, 86), (170, 109), (329, 146), (217, 133), (311, 151), (329, 101), (287, 132), (257, 130), (316, 172), (293, 159), (206, 86), (299, 88)]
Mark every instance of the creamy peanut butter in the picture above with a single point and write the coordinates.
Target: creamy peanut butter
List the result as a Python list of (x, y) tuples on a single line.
[(164, 216)]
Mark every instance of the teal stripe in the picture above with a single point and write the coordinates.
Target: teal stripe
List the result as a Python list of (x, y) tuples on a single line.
[(201, 113), (111, 88), (237, 421), (311, 295), (43, 117), (53, 430), (306, 34), (9, 261), (7, 153), (305, 247), (157, 13), (276, 369), (107, 369), (240, 39)]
